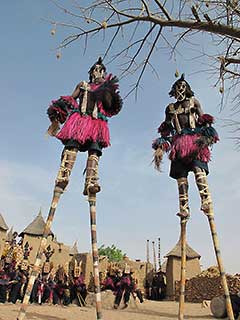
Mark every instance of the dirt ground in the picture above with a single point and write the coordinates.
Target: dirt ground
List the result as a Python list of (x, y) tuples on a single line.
[(152, 310)]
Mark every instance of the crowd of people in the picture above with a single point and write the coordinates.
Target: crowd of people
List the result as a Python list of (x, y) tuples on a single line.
[(124, 285), (156, 288), (58, 289), (65, 287)]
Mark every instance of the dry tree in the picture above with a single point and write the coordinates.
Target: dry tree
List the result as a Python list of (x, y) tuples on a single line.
[(136, 29)]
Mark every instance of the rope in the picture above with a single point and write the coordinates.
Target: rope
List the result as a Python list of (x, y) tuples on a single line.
[(69, 158), (201, 180), (183, 196), (92, 172)]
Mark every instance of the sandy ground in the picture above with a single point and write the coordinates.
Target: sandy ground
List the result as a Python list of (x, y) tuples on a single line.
[(152, 310)]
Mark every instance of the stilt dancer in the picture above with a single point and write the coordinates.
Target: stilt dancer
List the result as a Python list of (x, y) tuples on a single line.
[(84, 116), (186, 135)]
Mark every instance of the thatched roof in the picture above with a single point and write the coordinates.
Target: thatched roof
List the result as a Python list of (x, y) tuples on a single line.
[(74, 249), (176, 252), (36, 227), (10, 235), (3, 224)]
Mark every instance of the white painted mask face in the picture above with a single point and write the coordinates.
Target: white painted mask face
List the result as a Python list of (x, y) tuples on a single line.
[(98, 73), (181, 91)]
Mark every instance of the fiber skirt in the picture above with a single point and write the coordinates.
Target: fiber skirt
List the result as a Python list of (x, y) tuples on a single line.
[(187, 148), (85, 129), (186, 154)]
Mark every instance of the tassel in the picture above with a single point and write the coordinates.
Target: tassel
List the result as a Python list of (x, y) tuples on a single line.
[(157, 158)]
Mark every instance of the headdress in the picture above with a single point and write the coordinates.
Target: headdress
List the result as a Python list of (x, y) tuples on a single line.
[(181, 89), (100, 67)]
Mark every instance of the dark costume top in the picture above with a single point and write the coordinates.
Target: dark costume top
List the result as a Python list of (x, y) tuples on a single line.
[(85, 120), (186, 135)]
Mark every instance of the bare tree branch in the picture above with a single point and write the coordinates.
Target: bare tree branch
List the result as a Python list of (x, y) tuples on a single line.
[(129, 28)]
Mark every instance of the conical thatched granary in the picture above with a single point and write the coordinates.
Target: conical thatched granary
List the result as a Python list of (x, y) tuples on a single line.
[(74, 249), (35, 228), (33, 233), (3, 224), (173, 269), (9, 236), (3, 233)]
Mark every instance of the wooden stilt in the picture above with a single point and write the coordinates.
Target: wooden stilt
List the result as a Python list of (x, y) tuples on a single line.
[(183, 222), (207, 208), (68, 160), (220, 264), (37, 265), (93, 226)]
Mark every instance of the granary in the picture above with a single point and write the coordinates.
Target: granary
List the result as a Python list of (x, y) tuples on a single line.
[(9, 236), (33, 234), (173, 267), (3, 233), (74, 249)]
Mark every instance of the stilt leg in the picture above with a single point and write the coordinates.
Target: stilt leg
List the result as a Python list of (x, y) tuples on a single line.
[(68, 159), (92, 206), (183, 197), (207, 207), (183, 269), (184, 215), (91, 182), (201, 181)]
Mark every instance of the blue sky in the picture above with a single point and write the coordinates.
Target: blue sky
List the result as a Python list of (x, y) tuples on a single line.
[(136, 203)]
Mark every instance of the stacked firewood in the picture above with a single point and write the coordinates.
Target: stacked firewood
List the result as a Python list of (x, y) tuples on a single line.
[(207, 285)]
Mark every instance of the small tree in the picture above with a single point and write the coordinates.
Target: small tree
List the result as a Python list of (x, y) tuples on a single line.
[(113, 253)]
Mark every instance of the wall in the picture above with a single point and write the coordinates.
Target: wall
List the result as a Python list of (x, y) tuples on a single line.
[(61, 252), (173, 273), (3, 234)]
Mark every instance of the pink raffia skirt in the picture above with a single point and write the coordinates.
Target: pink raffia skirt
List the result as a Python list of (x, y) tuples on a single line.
[(85, 128), (185, 147)]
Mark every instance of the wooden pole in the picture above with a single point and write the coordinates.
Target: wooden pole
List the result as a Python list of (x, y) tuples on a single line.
[(220, 264), (159, 255), (154, 257), (68, 160), (147, 284), (207, 208), (37, 265), (93, 226), (148, 252), (183, 222)]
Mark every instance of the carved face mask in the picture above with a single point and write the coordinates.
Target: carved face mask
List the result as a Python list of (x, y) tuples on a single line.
[(98, 73), (180, 94)]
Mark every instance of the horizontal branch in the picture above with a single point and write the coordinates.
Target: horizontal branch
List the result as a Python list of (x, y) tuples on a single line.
[(232, 60), (215, 28)]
